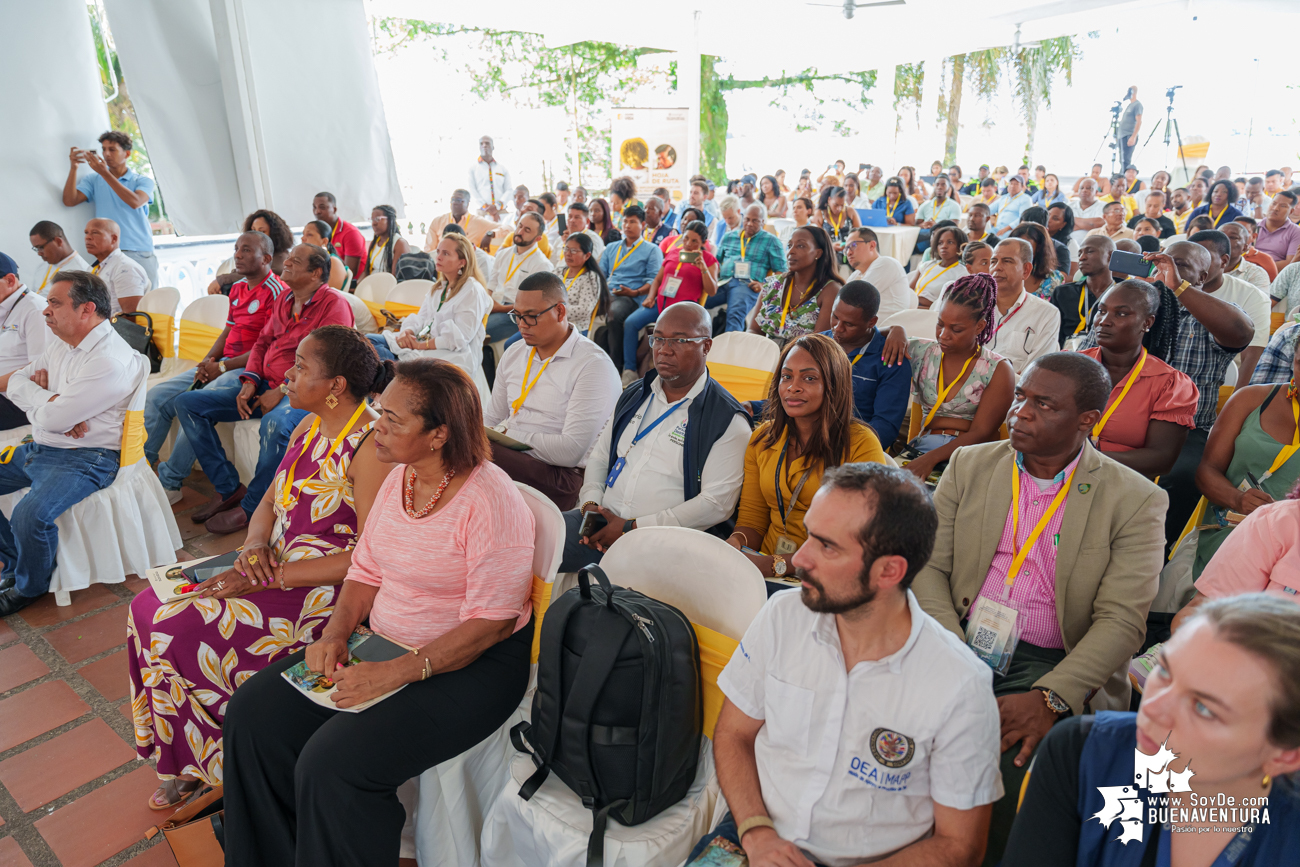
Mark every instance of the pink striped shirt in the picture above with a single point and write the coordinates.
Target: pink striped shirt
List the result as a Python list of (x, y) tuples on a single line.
[(473, 558), (1034, 590)]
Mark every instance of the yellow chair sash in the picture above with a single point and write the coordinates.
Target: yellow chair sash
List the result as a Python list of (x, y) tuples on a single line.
[(196, 339), (132, 438), (715, 652), (1192, 523), (1276, 320), (744, 383), (1225, 392), (375, 307), (541, 601), (164, 334), (401, 311)]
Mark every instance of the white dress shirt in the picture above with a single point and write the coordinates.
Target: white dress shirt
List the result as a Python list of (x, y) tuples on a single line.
[(490, 182), (597, 248), (456, 323), (511, 267), (890, 280), (484, 265), (95, 382), (571, 397), (851, 763), (1091, 212), (124, 277), (23, 332), (1030, 328), (649, 489), (1257, 304), (73, 263)]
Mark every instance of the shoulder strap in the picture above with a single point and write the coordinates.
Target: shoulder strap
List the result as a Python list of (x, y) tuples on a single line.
[(1272, 394), (597, 662)]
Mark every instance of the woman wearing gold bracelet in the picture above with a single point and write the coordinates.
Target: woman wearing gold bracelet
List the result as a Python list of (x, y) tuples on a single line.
[(190, 655)]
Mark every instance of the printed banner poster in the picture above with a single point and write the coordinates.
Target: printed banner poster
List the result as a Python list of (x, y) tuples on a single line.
[(649, 146)]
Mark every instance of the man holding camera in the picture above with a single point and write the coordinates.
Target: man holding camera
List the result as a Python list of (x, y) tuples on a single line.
[(118, 193)]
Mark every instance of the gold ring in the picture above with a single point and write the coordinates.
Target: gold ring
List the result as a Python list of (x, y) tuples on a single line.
[(252, 560)]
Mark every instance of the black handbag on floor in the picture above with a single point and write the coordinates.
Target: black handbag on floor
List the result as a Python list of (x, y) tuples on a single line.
[(138, 337), (618, 712)]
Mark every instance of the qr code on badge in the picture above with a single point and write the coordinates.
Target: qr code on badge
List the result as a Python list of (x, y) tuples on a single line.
[(984, 639)]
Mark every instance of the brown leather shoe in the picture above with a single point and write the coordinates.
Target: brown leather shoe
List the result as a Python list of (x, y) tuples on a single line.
[(219, 504), (229, 521)]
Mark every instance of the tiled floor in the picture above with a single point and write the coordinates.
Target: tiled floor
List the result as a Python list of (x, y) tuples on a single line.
[(72, 792)]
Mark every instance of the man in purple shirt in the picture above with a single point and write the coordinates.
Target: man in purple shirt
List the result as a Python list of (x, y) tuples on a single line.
[(1278, 236)]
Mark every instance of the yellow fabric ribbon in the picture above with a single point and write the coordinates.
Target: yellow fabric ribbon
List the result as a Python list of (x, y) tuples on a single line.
[(541, 601), (133, 438), (943, 392), (164, 334), (375, 307), (744, 383), (401, 311), (716, 650), (196, 339), (1276, 320)]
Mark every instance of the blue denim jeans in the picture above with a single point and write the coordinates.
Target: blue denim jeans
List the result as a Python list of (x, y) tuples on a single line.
[(381, 346), (159, 412), (59, 479), (199, 413), (740, 299), (632, 325), (516, 337)]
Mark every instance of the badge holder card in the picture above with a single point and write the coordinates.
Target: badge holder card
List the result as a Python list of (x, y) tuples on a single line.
[(742, 271), (992, 632)]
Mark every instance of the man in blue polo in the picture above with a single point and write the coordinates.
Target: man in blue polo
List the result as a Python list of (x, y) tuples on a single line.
[(746, 257), (1007, 209), (630, 267), (118, 194)]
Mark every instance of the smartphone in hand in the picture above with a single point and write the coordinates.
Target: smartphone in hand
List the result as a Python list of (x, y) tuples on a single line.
[(1131, 263), (592, 523), (690, 256)]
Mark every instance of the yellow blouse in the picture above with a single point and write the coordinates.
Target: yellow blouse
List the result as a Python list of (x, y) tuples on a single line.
[(758, 507)]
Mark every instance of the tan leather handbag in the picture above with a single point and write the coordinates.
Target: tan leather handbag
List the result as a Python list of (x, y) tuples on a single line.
[(196, 832)]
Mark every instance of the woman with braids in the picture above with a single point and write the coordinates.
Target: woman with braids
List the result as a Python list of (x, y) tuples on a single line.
[(387, 246), (1043, 278), (1152, 405), (976, 256), (190, 655), (799, 301), (272, 225), (963, 388)]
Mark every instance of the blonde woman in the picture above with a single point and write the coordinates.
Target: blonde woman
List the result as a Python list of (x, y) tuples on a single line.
[(449, 324)]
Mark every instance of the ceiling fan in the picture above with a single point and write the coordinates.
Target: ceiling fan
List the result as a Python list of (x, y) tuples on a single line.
[(849, 5)]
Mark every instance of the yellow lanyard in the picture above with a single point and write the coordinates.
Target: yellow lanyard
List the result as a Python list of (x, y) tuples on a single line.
[(677, 242), (1210, 210), (1287, 451), (1083, 293), (287, 499), (1110, 410), (785, 308), (1020, 552), (889, 212), (619, 261), (94, 269), (513, 269), (835, 224), (937, 276), (370, 266), (334, 231), (568, 284), (742, 245), (528, 386), (49, 272), (943, 392)]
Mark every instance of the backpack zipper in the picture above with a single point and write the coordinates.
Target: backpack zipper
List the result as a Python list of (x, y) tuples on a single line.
[(645, 623)]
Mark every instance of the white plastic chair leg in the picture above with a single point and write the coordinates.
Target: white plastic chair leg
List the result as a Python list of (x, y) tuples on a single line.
[(62, 598)]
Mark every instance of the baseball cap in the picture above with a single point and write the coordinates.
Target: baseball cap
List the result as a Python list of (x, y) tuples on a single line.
[(7, 266)]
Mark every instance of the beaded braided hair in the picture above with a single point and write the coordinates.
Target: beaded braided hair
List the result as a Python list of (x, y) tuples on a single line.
[(979, 292)]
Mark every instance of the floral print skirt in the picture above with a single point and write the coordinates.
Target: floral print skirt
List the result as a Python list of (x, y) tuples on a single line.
[(189, 657)]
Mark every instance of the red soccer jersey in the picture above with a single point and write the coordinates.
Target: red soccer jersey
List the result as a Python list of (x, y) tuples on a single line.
[(348, 240), (249, 309)]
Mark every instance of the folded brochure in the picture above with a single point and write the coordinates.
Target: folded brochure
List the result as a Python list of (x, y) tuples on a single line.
[(168, 580), (363, 646), (509, 442)]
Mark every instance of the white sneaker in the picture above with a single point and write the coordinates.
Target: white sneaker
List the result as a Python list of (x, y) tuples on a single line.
[(174, 497), (629, 377)]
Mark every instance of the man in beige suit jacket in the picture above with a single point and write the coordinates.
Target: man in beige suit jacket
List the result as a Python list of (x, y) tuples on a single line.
[(1107, 557)]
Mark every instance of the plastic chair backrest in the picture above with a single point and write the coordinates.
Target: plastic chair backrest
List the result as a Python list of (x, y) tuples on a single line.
[(916, 323), (706, 579), (1230, 374), (548, 551), (161, 305), (362, 318), (201, 324), (376, 287), (407, 296), (743, 364), (226, 267)]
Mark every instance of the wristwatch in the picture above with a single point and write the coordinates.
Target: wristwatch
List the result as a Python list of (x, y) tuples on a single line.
[(1182, 287), (221, 366), (1055, 703), (778, 565), (629, 525)]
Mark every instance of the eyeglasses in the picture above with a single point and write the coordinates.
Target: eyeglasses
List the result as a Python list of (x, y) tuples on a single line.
[(37, 248), (674, 342), (530, 319)]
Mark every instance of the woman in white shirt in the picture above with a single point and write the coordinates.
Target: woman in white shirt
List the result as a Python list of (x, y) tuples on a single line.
[(449, 324), (930, 281)]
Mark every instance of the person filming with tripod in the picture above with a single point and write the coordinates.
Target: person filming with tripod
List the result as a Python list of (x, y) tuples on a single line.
[(1130, 123)]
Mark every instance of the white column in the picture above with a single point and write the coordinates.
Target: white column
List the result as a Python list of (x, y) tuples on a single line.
[(237, 85), (688, 87)]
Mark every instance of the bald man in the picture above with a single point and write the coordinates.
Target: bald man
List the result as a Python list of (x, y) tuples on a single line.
[(689, 461), (126, 279)]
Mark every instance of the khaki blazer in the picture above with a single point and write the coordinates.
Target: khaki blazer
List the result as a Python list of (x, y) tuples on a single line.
[(1107, 565)]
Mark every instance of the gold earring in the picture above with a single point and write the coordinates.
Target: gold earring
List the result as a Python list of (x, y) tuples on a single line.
[(1264, 783), (331, 401)]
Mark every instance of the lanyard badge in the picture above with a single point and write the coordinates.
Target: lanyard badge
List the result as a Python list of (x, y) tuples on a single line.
[(621, 462)]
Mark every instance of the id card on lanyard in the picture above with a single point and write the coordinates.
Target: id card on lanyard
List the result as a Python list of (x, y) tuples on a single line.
[(785, 546), (619, 464)]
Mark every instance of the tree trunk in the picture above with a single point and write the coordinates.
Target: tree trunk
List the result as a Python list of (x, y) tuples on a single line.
[(954, 109), (713, 122)]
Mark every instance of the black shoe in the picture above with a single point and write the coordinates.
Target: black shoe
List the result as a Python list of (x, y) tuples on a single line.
[(11, 601), (6, 581)]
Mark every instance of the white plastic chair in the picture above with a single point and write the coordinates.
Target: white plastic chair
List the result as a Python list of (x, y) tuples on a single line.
[(407, 297), (124, 529), (453, 797), (201, 323), (225, 267), (917, 323), (361, 315), (744, 363), (377, 286), (717, 588)]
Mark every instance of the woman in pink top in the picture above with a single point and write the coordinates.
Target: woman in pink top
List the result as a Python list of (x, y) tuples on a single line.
[(444, 565)]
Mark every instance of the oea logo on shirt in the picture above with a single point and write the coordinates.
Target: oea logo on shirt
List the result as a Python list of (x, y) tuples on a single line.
[(891, 749)]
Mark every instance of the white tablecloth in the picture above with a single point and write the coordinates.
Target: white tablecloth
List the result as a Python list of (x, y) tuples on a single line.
[(897, 241)]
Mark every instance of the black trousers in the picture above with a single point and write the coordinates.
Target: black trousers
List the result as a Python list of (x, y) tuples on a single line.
[(1180, 482), (620, 309), (10, 415), (311, 786)]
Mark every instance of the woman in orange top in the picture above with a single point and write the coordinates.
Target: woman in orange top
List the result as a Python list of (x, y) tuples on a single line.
[(1152, 405)]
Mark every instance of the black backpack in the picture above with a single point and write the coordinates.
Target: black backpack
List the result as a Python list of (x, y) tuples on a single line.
[(416, 265), (618, 712)]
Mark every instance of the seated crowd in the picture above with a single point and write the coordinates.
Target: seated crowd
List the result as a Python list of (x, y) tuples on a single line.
[(979, 520)]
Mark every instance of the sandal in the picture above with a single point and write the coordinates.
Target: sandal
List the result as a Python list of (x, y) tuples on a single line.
[(175, 791)]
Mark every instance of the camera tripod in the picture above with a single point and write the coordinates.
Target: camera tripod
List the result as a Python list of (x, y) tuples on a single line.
[(1112, 135), (1170, 123)]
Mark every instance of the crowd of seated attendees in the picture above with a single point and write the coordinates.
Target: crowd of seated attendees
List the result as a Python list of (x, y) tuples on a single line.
[(989, 595)]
